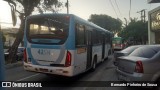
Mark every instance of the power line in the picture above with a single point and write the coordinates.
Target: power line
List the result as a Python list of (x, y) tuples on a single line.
[(143, 14), (118, 8), (113, 8)]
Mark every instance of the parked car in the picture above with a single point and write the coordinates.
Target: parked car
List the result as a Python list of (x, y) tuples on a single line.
[(6, 53), (19, 55), (125, 52), (143, 64)]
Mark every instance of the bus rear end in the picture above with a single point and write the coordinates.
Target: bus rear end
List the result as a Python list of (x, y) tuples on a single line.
[(118, 43), (45, 42)]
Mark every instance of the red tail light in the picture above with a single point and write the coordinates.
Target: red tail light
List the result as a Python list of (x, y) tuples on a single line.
[(68, 59), (121, 45), (139, 67), (25, 55)]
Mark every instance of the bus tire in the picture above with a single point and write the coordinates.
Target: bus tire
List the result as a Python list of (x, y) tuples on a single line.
[(94, 64)]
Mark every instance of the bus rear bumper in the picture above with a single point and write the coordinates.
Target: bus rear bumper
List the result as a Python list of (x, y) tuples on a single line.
[(64, 71)]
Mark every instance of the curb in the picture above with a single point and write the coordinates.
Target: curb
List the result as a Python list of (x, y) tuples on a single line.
[(17, 64)]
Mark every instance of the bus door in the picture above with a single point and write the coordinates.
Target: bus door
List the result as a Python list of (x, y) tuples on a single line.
[(103, 46), (89, 48)]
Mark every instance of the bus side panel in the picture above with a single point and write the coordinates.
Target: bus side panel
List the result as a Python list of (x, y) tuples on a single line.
[(80, 60), (80, 54), (106, 50), (97, 51)]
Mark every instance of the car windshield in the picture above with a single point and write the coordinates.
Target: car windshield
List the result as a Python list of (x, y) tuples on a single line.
[(146, 52)]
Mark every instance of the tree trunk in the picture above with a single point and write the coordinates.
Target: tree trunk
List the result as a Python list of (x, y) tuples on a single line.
[(18, 40)]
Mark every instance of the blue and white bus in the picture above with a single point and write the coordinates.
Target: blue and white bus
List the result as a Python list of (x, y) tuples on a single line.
[(63, 44)]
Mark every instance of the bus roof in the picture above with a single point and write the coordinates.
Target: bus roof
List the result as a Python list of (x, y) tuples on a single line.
[(92, 24), (72, 15)]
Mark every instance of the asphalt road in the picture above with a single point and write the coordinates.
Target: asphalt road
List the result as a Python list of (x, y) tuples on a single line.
[(104, 72)]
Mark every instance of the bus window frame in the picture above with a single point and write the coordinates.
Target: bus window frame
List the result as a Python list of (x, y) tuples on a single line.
[(76, 35)]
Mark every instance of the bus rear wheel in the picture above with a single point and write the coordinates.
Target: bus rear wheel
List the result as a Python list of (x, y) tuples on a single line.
[(94, 64)]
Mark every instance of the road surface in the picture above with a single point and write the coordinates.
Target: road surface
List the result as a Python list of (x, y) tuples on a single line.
[(104, 72)]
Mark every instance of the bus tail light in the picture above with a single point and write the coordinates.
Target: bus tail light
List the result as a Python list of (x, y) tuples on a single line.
[(25, 55), (68, 59), (139, 67)]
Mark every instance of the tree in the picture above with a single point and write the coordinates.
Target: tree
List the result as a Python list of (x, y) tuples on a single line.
[(3, 38), (135, 30), (25, 8), (107, 22)]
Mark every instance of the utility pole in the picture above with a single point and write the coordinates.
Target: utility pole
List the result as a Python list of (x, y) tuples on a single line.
[(143, 15), (67, 5), (130, 10), (126, 23)]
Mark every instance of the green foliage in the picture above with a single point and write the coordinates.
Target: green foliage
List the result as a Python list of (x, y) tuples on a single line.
[(107, 22), (137, 30), (25, 8), (4, 39)]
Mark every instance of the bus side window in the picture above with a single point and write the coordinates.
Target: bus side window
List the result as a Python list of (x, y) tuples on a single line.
[(94, 37), (106, 38), (80, 35)]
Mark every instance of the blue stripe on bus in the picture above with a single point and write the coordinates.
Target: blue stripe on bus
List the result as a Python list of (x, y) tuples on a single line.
[(46, 46), (25, 41), (46, 40), (31, 57), (70, 42)]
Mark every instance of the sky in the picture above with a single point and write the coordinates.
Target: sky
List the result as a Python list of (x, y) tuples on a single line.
[(84, 8)]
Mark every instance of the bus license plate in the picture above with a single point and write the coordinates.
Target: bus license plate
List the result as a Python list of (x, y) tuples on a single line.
[(43, 70)]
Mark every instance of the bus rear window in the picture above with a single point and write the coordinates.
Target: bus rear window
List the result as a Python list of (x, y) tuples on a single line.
[(117, 41), (47, 29)]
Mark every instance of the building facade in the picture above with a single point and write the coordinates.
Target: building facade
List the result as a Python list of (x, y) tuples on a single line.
[(154, 24)]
